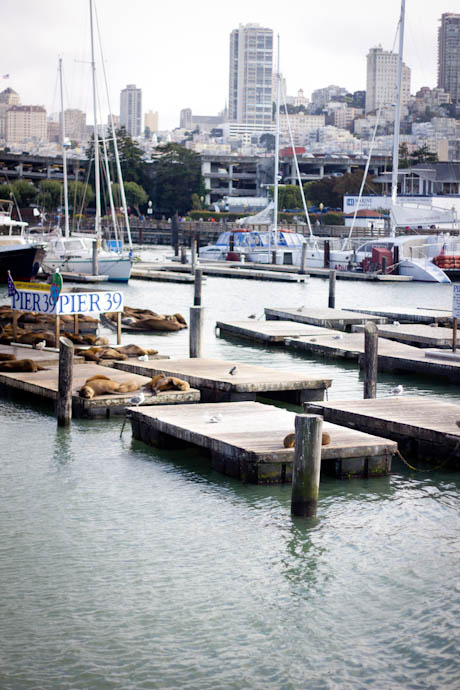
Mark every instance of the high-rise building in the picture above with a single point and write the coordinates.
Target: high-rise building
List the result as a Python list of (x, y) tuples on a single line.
[(151, 121), (251, 66), (131, 110), (449, 55), (8, 97), (382, 71), (26, 123), (186, 118), (74, 125)]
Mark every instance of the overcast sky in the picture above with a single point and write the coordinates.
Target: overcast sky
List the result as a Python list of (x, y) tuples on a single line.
[(178, 52)]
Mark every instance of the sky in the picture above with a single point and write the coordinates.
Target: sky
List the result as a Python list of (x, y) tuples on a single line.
[(178, 52)]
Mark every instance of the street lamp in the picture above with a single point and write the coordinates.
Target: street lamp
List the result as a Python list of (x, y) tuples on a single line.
[(321, 207)]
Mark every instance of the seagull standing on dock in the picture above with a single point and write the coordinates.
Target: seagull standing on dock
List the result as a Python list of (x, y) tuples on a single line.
[(41, 345), (215, 418), (234, 371), (143, 358), (137, 399), (397, 391), (396, 323)]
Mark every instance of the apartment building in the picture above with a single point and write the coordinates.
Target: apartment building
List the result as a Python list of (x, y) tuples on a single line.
[(449, 55), (131, 110), (382, 70), (25, 123)]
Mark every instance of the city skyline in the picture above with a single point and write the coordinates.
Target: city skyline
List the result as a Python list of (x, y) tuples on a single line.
[(183, 62)]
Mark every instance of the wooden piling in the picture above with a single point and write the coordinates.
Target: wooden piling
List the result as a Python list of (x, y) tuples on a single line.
[(65, 376), (15, 324), (196, 331), (198, 287), (75, 324), (57, 329), (327, 252), (183, 255), (95, 258), (370, 360), (119, 314), (303, 259), (194, 254), (332, 277), (307, 465)]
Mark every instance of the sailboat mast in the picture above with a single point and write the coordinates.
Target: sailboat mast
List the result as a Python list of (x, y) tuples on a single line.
[(277, 147), (97, 180), (64, 156), (394, 175)]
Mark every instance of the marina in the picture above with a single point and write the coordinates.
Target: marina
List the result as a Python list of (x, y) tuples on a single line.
[(254, 452), (426, 429)]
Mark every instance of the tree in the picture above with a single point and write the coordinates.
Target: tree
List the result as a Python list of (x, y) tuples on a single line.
[(80, 196), (22, 192), (176, 176), (423, 155), (135, 196), (289, 196), (330, 190), (403, 156), (267, 140), (50, 195)]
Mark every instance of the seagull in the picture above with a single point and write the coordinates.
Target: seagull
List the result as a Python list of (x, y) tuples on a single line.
[(313, 340), (143, 358), (137, 399), (234, 371), (434, 325), (396, 323), (397, 391), (41, 345), (337, 337), (215, 418), (252, 316)]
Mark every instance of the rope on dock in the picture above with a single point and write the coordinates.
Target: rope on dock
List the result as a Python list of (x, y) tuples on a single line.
[(432, 469)]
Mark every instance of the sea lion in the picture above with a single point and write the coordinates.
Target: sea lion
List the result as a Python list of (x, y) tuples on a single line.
[(160, 383), (181, 319), (153, 323), (101, 385), (135, 351), (21, 365), (34, 337), (6, 357), (289, 440)]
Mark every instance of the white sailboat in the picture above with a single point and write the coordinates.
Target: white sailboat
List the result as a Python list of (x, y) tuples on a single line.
[(77, 253)]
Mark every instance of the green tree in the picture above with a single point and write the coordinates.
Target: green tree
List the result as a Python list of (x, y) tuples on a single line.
[(135, 196), (289, 196), (176, 177), (267, 140), (80, 196), (22, 192), (50, 195), (423, 155), (330, 190), (403, 156)]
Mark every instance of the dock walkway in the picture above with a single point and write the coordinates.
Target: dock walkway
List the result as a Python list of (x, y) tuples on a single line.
[(213, 379), (417, 334), (409, 315), (269, 332), (425, 428), (44, 384), (247, 441), (339, 319)]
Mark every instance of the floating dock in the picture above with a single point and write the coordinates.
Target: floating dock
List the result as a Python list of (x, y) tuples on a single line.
[(153, 272), (247, 441), (269, 332), (338, 319), (417, 334), (44, 384), (425, 428), (213, 379), (440, 316), (45, 357)]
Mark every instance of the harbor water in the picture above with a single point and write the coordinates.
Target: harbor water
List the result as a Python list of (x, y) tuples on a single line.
[(126, 567)]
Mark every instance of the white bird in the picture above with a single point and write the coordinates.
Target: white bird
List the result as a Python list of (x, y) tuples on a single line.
[(215, 418), (397, 391), (143, 358), (137, 399), (41, 345), (234, 371), (337, 337), (396, 323)]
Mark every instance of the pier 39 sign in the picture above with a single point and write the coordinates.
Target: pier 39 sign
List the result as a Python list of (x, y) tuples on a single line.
[(42, 301)]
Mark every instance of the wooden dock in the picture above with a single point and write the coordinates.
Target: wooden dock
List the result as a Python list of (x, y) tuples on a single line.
[(47, 357), (213, 379), (417, 334), (440, 316), (269, 332), (44, 385), (426, 429), (338, 319), (247, 441), (146, 271), (254, 274)]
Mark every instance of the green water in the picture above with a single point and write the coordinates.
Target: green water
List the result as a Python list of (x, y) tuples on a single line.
[(127, 567)]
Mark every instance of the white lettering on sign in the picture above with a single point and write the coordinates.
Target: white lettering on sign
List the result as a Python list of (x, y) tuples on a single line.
[(456, 302), (68, 302)]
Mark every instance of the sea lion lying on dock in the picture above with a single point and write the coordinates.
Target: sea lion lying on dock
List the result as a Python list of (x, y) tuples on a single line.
[(21, 365), (34, 337), (101, 385), (6, 357), (95, 354), (86, 339), (135, 350), (289, 440), (160, 383), (148, 320)]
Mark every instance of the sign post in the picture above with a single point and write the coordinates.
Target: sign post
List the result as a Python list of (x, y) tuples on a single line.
[(455, 314)]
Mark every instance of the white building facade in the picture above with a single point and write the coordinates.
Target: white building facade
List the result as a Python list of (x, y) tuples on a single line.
[(131, 110), (382, 69)]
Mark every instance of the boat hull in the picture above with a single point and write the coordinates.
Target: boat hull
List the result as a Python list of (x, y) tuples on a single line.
[(117, 269), (22, 261)]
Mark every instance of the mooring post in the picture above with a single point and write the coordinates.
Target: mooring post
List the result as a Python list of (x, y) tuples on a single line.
[(75, 324), (332, 277), (454, 334), (194, 243), (384, 265), (327, 253), (64, 396), (57, 329), (183, 254), (307, 465), (95, 258), (198, 285), (303, 259), (370, 360), (15, 324), (196, 331), (119, 328)]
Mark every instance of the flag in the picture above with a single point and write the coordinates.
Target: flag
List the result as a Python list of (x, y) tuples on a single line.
[(443, 250), (11, 286)]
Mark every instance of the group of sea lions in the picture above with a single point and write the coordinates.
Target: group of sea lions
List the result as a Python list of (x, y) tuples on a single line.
[(120, 352), (33, 329), (148, 320), (103, 385), (8, 362)]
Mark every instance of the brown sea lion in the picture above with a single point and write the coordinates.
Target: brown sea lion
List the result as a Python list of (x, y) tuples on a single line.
[(135, 351), (101, 385), (289, 440), (21, 365), (160, 383), (6, 357), (32, 338)]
